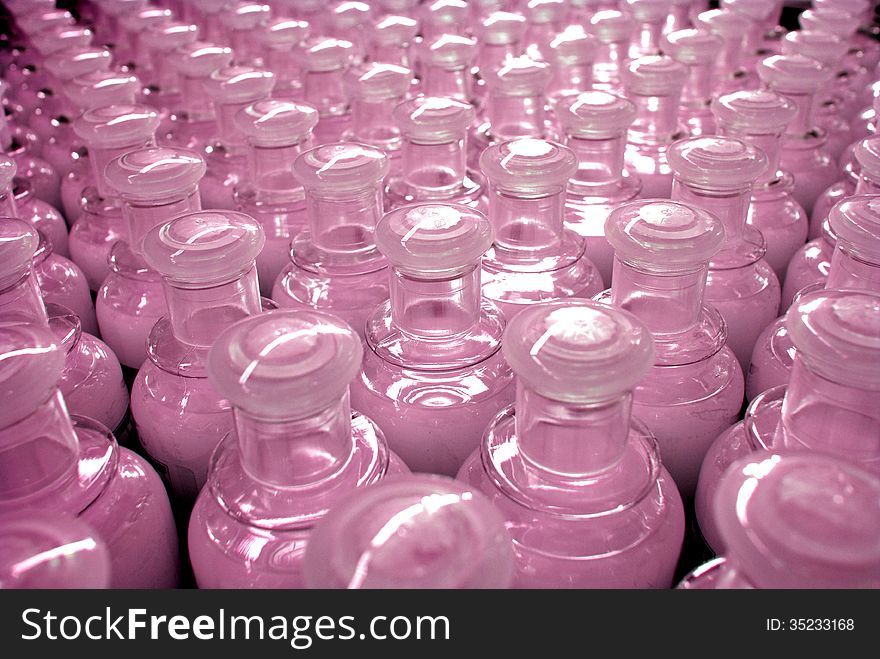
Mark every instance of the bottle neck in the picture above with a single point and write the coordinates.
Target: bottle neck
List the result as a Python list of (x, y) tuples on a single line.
[(515, 116), (199, 315), (568, 78), (849, 272), (22, 302), (697, 92), (448, 83), (142, 218), (648, 38), (656, 119), (731, 54), (769, 143), (492, 56), (271, 168), (167, 77), (600, 161), (37, 451), (7, 202), (284, 64), (296, 452), (213, 28), (390, 53), (100, 157), (343, 225), (867, 185), (525, 226), (730, 206), (571, 440), (324, 90), (434, 171), (228, 135), (803, 118), (668, 303), (243, 44), (609, 58), (436, 308), (372, 122), (195, 103)]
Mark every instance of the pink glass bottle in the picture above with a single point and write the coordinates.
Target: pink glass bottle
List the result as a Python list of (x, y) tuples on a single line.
[(433, 374), (107, 132), (717, 174), (654, 84), (62, 282), (854, 264), (580, 483), (809, 265), (207, 263), (206, 14), (91, 379), (595, 126), (696, 49), (445, 65), (390, 40), (325, 63), (544, 19), (276, 133), (334, 265), (163, 90), (282, 39), (802, 520), (74, 466), (42, 550), (614, 31), (695, 389), (500, 37), (571, 54), (434, 154), (760, 118), (241, 22), (137, 26), (864, 51), (232, 88), (22, 146), (193, 121), (296, 450), (730, 75), (443, 17), (650, 17), (534, 257), (760, 38), (829, 406), (17, 200), (799, 79), (411, 532)]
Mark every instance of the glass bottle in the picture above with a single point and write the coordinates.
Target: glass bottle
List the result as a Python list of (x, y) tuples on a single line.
[(390, 40), (207, 16), (282, 40), (107, 132), (534, 257), (206, 260), (500, 37), (434, 154), (759, 39), (829, 405), (614, 31), (654, 84), (595, 126), (433, 374), (416, 531), (445, 65), (62, 282), (544, 18), (63, 465), (276, 133), (809, 265), (443, 17), (571, 54), (297, 447), (580, 483), (325, 63), (730, 75), (137, 26), (863, 52), (334, 263), (241, 21), (232, 88), (760, 118), (695, 389), (155, 185), (650, 17), (696, 49), (679, 16), (802, 520), (17, 200), (717, 174), (799, 78), (163, 86)]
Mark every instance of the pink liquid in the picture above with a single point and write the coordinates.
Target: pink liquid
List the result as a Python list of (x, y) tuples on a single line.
[(62, 282), (809, 265), (780, 219), (771, 359), (72, 188), (92, 237), (43, 217)]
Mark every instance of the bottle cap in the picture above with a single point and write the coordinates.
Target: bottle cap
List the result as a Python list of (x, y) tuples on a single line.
[(856, 222), (867, 154), (155, 173), (415, 531), (726, 23), (171, 36), (649, 11), (349, 14), (528, 165), (519, 76), (793, 74), (611, 26), (200, 59), (394, 31), (325, 55), (578, 351), (654, 75), (239, 84), (835, 21), (145, 19), (8, 169), (433, 241), (716, 163), (595, 115), (692, 46), (284, 33), (801, 520), (754, 10), (101, 88), (441, 14), (204, 248), (18, 241), (433, 120), (754, 111), (285, 364), (51, 41), (245, 16), (542, 12), (572, 47), (837, 335), (823, 47), (379, 82), (70, 63), (663, 234), (450, 52), (30, 367), (117, 126), (502, 28), (271, 123), (38, 18), (341, 167)]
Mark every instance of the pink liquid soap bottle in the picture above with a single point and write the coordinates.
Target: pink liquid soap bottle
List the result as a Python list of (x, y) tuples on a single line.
[(534, 257), (334, 265), (614, 30), (411, 532), (799, 79), (695, 389), (282, 39), (650, 17), (853, 265), (717, 174), (802, 520), (445, 65), (696, 49), (276, 133), (42, 550), (232, 88), (296, 450), (434, 154), (580, 483), (155, 185), (654, 84), (595, 126), (391, 40), (571, 54), (760, 118), (73, 466), (107, 132), (325, 63), (91, 379), (829, 405), (730, 74), (192, 124), (207, 263), (433, 373)]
